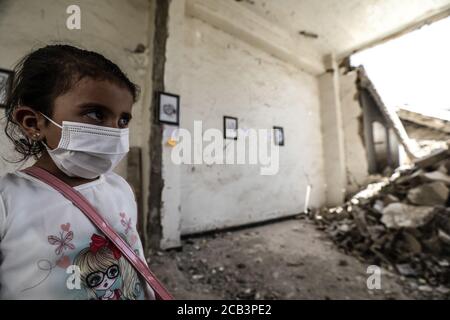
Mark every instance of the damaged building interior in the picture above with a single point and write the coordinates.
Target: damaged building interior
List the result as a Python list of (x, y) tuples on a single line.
[(360, 182)]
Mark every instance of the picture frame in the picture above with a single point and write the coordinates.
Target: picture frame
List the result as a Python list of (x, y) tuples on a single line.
[(230, 127), (168, 108), (278, 136), (6, 79)]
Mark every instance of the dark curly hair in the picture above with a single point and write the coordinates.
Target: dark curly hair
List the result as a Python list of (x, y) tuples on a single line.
[(46, 73)]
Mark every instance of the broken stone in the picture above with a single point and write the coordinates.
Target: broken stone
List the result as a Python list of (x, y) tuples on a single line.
[(437, 176), (432, 158), (400, 215), (411, 246), (443, 168), (444, 237), (379, 206), (197, 277), (425, 288), (412, 179), (360, 220), (344, 228), (389, 198), (443, 290), (432, 244), (443, 263), (430, 194)]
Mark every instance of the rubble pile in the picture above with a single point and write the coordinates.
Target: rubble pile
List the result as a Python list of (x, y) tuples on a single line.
[(402, 222)]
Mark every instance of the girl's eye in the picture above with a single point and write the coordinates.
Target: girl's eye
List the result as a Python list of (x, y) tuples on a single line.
[(123, 122), (95, 115)]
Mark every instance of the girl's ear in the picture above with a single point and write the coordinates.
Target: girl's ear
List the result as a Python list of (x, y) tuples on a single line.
[(30, 122)]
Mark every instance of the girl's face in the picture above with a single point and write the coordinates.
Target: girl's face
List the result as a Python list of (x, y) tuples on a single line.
[(103, 280), (101, 103)]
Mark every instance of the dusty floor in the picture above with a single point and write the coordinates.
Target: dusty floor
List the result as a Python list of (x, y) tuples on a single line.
[(282, 260)]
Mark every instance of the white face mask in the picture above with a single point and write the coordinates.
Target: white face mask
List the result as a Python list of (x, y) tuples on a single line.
[(87, 150)]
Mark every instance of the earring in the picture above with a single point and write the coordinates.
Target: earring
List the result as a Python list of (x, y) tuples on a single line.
[(36, 135)]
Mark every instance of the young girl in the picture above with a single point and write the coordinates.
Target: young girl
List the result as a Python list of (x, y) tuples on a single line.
[(70, 110)]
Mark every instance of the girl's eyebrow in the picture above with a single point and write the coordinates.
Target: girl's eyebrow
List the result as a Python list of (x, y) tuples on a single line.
[(88, 105), (128, 115)]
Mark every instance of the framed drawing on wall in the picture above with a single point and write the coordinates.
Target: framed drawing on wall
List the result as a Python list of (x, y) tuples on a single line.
[(278, 136), (6, 78), (168, 108), (230, 128)]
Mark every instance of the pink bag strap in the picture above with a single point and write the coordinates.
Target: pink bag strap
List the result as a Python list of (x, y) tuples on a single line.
[(79, 201)]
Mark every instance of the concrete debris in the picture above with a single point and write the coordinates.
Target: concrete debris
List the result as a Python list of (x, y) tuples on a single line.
[(400, 215), (434, 157), (429, 121), (430, 194), (402, 224), (437, 176)]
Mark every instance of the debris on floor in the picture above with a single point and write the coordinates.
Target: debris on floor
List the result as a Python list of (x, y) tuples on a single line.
[(401, 223), (290, 259)]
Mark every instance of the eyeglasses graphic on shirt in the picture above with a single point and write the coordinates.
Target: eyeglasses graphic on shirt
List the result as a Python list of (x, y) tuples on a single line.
[(96, 278)]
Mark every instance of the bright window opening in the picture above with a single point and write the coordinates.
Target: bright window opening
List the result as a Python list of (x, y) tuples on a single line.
[(413, 71)]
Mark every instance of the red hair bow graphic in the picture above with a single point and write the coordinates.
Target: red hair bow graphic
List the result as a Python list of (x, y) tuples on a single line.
[(98, 242)]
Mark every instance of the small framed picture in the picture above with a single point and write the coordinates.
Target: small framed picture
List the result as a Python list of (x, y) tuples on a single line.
[(168, 108), (230, 128), (278, 136), (6, 78)]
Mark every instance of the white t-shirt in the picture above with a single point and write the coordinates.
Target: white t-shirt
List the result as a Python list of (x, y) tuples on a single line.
[(50, 250)]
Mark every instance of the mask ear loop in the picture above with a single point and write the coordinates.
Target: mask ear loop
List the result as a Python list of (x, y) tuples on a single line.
[(51, 120), (45, 142)]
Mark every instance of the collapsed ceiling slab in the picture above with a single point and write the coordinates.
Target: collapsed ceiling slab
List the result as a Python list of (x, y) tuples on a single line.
[(366, 86)]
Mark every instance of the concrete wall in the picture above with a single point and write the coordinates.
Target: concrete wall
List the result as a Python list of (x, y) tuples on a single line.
[(355, 153), (223, 75), (332, 131), (106, 27)]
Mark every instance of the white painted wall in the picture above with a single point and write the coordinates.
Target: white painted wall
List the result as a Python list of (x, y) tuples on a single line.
[(234, 19), (223, 75)]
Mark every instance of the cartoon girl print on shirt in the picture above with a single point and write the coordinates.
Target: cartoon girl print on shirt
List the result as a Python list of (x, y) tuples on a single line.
[(105, 274)]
